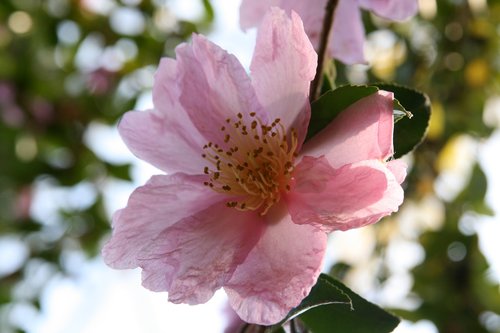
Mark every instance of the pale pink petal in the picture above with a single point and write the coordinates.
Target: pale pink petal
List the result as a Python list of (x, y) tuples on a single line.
[(214, 86), (282, 67), (252, 11), (279, 272), (165, 89), (196, 256), (398, 168), (163, 141), (152, 208), (347, 37), (312, 14), (340, 199), (363, 131), (164, 136), (396, 10)]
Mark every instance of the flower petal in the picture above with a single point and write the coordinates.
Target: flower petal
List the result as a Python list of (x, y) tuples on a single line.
[(214, 86), (252, 11), (196, 256), (152, 208), (361, 132), (166, 142), (311, 12), (347, 37), (282, 67), (279, 272), (398, 168), (165, 136), (340, 199), (397, 10)]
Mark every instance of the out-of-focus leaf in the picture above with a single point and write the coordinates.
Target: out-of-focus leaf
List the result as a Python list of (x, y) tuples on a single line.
[(119, 171), (209, 11), (474, 193)]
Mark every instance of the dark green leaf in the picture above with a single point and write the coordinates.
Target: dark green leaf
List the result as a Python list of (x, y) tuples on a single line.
[(324, 292), (332, 307), (409, 133), (330, 104), (400, 112), (333, 102)]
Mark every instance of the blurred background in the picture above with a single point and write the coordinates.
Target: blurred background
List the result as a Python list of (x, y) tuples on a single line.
[(70, 68)]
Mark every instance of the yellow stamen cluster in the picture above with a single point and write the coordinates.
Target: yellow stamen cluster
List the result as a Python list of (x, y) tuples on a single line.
[(253, 162)]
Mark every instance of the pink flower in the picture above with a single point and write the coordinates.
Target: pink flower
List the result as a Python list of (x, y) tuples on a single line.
[(348, 34), (245, 206)]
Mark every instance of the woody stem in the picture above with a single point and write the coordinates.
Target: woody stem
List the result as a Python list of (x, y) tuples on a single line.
[(315, 89)]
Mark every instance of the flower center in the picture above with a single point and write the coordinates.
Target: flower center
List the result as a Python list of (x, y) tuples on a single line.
[(255, 165)]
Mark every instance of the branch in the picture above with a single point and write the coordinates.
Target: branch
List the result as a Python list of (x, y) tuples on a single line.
[(315, 89)]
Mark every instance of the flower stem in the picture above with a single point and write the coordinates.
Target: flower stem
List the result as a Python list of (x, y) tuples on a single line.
[(315, 89)]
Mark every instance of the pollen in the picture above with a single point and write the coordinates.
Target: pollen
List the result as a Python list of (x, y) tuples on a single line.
[(252, 163)]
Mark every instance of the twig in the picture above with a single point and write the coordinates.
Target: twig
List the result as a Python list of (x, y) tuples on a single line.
[(315, 89)]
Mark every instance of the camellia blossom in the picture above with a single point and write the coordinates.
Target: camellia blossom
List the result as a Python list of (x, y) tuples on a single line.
[(245, 205), (347, 36)]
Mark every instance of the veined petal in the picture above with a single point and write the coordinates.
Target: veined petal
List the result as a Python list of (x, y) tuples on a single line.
[(396, 10), (347, 37), (165, 89), (164, 136), (282, 67), (214, 87), (196, 256), (279, 272), (151, 209), (252, 11), (340, 199), (311, 12), (361, 132), (167, 142)]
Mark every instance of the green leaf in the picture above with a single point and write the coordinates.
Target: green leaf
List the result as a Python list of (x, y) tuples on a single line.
[(119, 171), (332, 307), (472, 196), (411, 112), (400, 112), (409, 132), (323, 293), (330, 104)]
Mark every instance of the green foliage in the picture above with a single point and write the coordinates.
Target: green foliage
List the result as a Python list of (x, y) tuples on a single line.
[(409, 132), (330, 104), (332, 307), (411, 109)]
